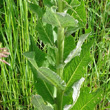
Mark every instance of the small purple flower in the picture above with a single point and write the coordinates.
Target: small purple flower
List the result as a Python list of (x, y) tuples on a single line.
[(4, 53)]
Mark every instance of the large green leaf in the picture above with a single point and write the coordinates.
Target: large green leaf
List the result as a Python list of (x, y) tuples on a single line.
[(45, 73), (31, 57), (69, 45), (76, 52), (76, 89), (87, 100), (59, 19), (80, 14), (51, 58), (36, 9), (44, 89), (75, 94), (52, 77), (67, 99), (45, 33), (40, 56), (48, 3), (39, 103), (76, 68)]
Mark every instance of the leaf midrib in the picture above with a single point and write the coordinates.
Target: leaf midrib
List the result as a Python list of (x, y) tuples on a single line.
[(48, 36), (39, 104), (54, 83), (48, 89), (75, 70), (88, 102)]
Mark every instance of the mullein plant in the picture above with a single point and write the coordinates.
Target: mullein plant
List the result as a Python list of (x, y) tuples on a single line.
[(3, 54), (59, 70)]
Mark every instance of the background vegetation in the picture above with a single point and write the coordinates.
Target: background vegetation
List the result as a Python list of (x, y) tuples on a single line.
[(17, 23)]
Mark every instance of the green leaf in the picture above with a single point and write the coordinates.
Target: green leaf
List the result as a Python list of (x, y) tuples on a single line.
[(71, 30), (59, 19), (76, 52), (80, 14), (51, 57), (68, 4), (69, 45), (52, 77), (45, 33), (87, 100), (75, 3), (76, 91), (31, 57), (36, 9), (45, 73), (42, 88), (40, 56), (67, 99), (39, 103), (75, 69), (68, 1), (48, 3)]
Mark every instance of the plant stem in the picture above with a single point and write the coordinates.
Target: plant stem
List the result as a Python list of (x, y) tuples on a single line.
[(59, 58), (60, 45), (60, 5)]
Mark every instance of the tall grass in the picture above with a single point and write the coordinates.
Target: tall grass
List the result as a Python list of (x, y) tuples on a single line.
[(16, 81), (99, 22)]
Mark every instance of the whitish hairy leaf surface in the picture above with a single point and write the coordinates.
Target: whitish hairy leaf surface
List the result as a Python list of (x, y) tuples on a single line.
[(77, 50), (39, 103), (76, 91), (59, 19), (75, 69), (45, 73), (87, 100), (45, 33)]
